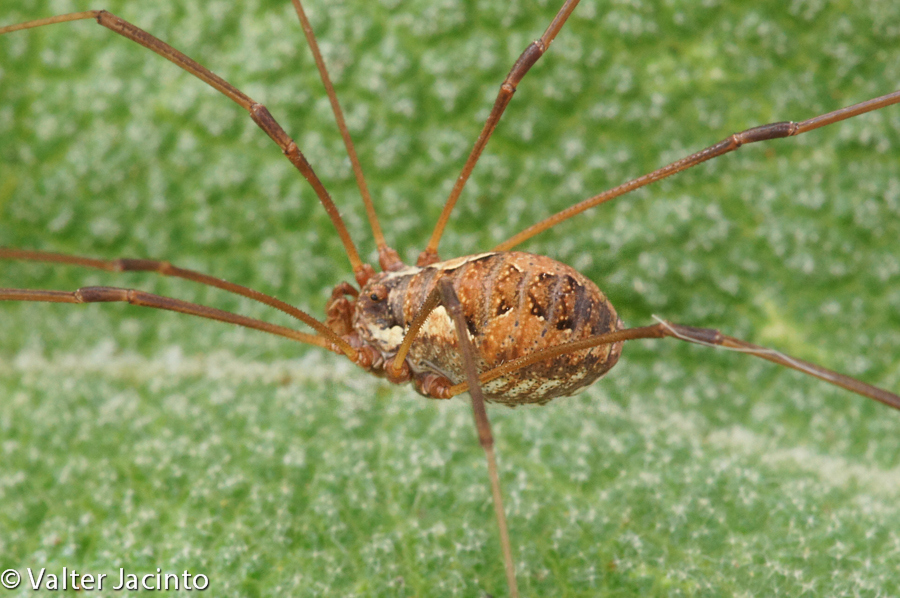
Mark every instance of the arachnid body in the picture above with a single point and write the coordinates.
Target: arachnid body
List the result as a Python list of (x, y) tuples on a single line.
[(514, 303), (683, 467)]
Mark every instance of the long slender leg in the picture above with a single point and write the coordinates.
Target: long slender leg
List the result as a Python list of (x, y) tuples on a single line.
[(530, 56), (729, 144), (701, 336), (258, 112), (387, 256), (443, 294), (167, 269), (482, 423), (142, 299)]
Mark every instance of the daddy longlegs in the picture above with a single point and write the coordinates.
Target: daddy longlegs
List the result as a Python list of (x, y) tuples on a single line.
[(661, 328)]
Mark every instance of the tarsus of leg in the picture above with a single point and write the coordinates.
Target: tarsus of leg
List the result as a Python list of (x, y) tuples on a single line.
[(701, 336), (527, 59), (258, 112), (142, 299), (387, 256), (729, 144), (167, 269), (454, 308)]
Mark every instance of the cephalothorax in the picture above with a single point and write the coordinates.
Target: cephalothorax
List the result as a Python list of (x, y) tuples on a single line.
[(508, 327)]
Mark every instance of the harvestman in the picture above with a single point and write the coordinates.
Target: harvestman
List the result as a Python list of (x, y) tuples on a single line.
[(506, 326)]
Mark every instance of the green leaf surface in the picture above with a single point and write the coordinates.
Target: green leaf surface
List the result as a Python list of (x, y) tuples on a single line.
[(136, 439)]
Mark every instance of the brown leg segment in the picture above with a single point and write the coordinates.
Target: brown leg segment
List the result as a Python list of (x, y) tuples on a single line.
[(167, 269), (729, 144), (482, 423), (714, 338), (431, 302), (701, 336), (142, 299), (388, 258), (258, 112), (530, 56), (436, 386)]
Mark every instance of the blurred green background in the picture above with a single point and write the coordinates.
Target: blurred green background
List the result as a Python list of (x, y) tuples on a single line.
[(147, 440)]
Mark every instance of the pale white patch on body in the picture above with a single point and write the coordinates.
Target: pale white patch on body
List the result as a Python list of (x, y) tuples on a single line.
[(389, 338), (439, 324)]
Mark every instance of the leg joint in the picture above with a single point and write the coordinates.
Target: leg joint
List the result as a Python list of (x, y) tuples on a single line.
[(525, 61)]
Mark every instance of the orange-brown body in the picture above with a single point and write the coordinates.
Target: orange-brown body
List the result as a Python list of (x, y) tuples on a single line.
[(514, 304)]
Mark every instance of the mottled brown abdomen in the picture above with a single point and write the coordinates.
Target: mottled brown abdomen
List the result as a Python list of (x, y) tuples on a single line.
[(515, 304)]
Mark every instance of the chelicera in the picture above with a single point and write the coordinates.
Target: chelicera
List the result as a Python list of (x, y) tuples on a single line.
[(507, 326)]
